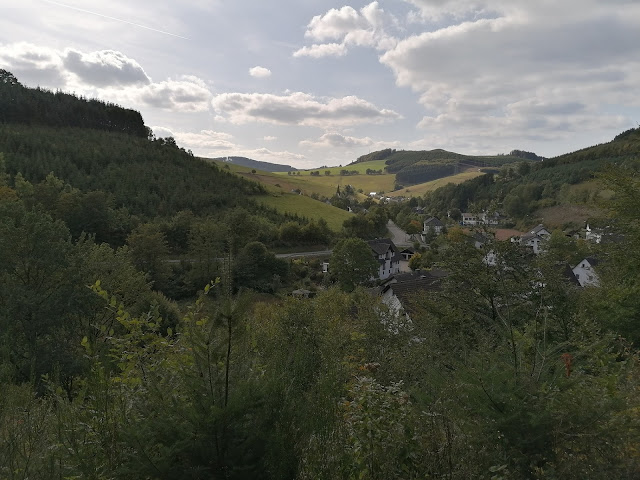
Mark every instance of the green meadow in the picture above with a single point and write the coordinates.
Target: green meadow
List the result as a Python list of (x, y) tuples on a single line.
[(306, 207)]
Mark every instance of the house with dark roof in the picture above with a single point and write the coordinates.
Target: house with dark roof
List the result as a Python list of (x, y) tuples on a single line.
[(535, 238), (432, 225), (387, 255), (400, 291), (407, 253), (585, 272)]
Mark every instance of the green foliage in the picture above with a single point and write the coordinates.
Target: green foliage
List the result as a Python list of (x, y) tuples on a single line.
[(353, 263), (148, 177), (37, 106), (256, 268)]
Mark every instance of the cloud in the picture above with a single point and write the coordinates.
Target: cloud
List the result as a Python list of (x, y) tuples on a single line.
[(262, 154), (197, 141), (32, 64), (299, 109), (344, 27), (187, 94), (525, 74), (106, 74), (269, 138), (322, 50), (259, 72), (337, 140), (104, 68)]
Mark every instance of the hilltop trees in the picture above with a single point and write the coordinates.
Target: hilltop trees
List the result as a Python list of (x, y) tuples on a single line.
[(353, 263)]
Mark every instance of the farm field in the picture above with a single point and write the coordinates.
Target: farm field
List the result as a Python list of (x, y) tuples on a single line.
[(422, 188), (306, 207)]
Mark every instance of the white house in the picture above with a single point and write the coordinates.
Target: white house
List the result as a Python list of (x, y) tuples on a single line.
[(585, 273), (432, 225), (535, 238), (469, 219), (484, 218), (387, 255)]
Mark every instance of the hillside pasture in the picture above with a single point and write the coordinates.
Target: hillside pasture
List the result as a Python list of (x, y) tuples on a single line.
[(327, 185), (422, 188), (304, 206)]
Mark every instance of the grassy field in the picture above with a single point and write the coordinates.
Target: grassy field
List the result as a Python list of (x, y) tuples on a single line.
[(326, 185), (306, 207), (561, 215), (360, 167), (422, 188)]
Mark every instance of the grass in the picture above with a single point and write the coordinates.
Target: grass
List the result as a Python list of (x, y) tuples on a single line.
[(422, 188), (306, 207), (326, 185), (561, 215)]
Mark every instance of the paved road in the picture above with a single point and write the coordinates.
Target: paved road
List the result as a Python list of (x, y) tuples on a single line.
[(319, 253), (399, 236)]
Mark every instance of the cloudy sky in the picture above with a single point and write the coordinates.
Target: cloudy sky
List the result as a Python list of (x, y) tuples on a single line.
[(320, 82)]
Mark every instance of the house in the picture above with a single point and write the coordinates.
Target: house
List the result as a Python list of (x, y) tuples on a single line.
[(400, 291), (432, 225), (387, 255), (407, 254), (535, 238), (585, 273), (484, 218), (592, 235), (469, 219)]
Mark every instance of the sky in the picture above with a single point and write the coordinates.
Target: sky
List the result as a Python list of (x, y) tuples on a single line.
[(313, 83)]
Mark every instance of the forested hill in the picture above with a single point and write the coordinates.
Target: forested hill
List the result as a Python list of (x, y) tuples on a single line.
[(413, 167), (148, 177), (250, 163), (520, 190), (95, 146), (34, 106)]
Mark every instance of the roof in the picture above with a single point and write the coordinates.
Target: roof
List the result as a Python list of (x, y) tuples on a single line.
[(406, 286), (433, 222), (567, 274), (592, 261), (382, 245), (538, 228)]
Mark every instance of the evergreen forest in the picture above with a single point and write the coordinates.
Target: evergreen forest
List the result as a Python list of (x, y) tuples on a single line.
[(146, 331)]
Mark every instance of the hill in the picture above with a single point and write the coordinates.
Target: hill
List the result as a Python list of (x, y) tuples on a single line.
[(528, 191), (94, 166), (31, 106), (414, 167), (257, 164)]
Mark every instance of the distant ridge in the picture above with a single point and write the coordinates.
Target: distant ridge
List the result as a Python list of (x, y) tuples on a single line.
[(248, 162)]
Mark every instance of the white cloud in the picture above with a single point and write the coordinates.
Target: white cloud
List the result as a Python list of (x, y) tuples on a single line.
[(269, 138), (104, 68), (259, 72), (337, 140), (347, 27), (299, 109), (525, 75), (187, 94), (322, 50), (105, 74), (33, 64), (334, 24), (197, 141)]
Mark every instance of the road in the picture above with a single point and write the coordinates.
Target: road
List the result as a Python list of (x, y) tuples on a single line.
[(319, 253), (398, 236)]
